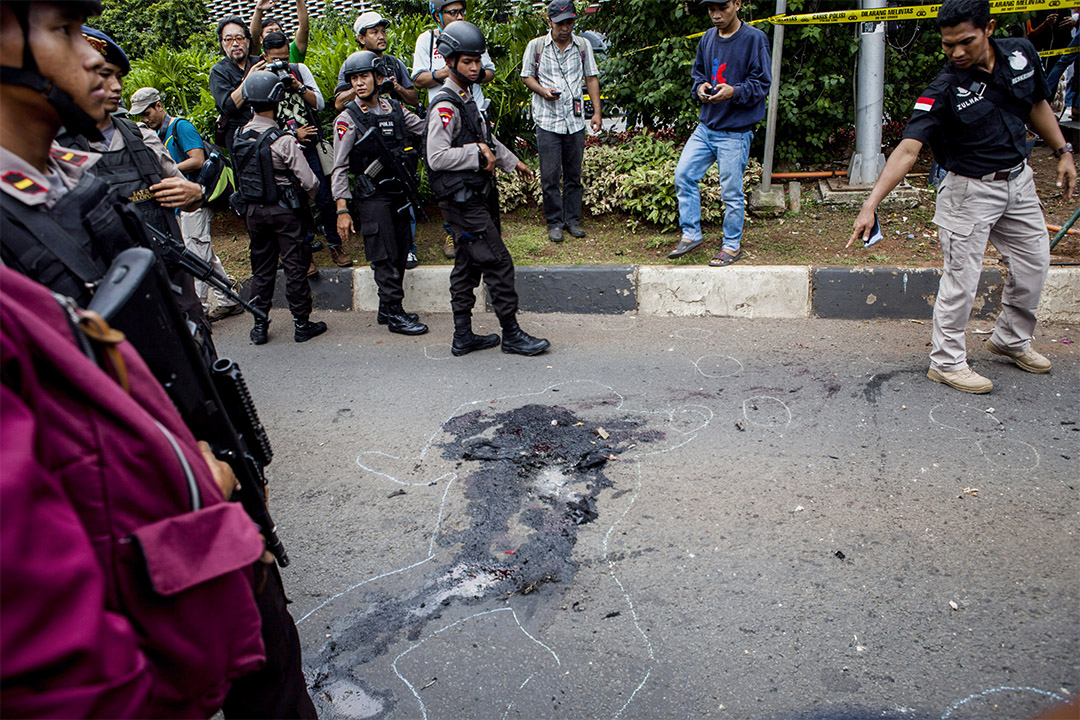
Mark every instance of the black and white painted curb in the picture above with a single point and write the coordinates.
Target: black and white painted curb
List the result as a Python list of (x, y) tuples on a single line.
[(747, 291)]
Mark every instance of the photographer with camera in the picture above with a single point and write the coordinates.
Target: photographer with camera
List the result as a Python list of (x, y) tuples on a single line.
[(376, 139), (297, 116), (370, 29)]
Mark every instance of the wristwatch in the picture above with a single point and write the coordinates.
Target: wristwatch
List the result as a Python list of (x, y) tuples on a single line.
[(1066, 148)]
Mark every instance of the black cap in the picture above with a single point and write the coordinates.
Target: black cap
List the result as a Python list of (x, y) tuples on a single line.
[(560, 10), (108, 48)]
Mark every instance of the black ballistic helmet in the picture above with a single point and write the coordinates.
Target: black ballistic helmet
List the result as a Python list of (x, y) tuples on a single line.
[(461, 38), (360, 61), (262, 87)]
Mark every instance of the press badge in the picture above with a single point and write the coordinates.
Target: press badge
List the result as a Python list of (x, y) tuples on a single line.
[(577, 107)]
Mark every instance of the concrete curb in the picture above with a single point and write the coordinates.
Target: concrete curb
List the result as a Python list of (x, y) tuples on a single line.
[(691, 291)]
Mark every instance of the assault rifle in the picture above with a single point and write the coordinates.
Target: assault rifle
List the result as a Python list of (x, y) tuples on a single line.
[(389, 161), (137, 298)]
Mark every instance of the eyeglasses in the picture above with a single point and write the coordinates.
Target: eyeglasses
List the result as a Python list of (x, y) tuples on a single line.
[(458, 13), (231, 39)]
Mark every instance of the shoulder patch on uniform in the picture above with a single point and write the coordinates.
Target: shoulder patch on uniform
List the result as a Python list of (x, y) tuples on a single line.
[(341, 128), (924, 104), (446, 114), (72, 158), (22, 183)]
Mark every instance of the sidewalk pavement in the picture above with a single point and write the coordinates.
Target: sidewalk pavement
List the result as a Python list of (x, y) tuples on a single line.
[(741, 291)]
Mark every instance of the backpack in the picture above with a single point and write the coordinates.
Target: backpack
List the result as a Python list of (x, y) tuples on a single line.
[(217, 174), (536, 55)]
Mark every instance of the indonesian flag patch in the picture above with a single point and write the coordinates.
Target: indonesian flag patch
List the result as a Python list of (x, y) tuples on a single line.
[(447, 114), (924, 104), (342, 127)]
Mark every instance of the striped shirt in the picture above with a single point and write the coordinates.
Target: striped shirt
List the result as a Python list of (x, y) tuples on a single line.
[(562, 69)]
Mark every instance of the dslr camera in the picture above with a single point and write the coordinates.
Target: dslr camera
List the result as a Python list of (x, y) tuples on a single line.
[(385, 68), (280, 67)]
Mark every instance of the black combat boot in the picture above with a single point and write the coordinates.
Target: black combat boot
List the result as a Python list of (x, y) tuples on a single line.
[(258, 333), (517, 341), (403, 323), (384, 316), (465, 341), (304, 329)]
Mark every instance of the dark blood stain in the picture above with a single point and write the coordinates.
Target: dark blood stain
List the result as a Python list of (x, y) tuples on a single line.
[(539, 470)]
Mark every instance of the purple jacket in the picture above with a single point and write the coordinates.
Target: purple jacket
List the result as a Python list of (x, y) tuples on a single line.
[(117, 600)]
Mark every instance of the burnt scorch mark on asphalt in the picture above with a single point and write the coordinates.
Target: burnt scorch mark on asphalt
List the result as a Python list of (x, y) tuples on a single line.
[(539, 471)]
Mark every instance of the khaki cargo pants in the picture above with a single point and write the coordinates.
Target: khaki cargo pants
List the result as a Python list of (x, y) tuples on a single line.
[(1008, 214)]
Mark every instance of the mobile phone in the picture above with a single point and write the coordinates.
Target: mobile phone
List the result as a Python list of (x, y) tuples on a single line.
[(875, 234), (556, 93)]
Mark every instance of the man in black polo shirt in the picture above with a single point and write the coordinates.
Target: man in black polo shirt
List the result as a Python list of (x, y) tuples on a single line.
[(973, 116), (228, 75)]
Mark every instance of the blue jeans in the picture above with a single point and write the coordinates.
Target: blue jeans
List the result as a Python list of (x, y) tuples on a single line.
[(730, 151), (1058, 69)]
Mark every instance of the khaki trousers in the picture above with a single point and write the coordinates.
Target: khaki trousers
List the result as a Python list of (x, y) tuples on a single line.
[(1008, 214), (195, 227)]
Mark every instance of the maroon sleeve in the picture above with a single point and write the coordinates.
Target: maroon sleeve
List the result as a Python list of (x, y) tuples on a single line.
[(62, 654)]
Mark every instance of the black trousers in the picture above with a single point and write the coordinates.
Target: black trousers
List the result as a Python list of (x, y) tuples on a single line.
[(560, 159), (279, 689), (481, 255), (387, 239), (275, 233)]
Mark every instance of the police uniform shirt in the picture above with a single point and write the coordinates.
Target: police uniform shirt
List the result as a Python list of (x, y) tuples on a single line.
[(153, 143), (444, 121), (286, 155), (25, 183), (345, 138), (966, 125)]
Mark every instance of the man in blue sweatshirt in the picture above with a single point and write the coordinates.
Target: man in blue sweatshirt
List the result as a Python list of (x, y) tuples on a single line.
[(731, 76)]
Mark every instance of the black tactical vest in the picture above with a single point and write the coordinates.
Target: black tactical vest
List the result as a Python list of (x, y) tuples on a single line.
[(131, 170), (68, 247), (391, 128), (473, 129), (255, 174)]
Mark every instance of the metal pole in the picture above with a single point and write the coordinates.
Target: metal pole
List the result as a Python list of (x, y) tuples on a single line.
[(867, 162), (774, 99)]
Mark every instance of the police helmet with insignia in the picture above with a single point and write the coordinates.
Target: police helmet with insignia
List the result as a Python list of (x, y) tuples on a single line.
[(74, 118), (461, 38), (263, 90)]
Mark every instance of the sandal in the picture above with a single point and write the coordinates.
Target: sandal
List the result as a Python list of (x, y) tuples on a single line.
[(685, 246), (725, 258)]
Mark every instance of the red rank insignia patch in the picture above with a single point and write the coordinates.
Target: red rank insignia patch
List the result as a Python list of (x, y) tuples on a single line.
[(447, 114), (22, 183), (67, 156), (342, 128)]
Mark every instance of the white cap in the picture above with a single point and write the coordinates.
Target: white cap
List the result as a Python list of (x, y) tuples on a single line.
[(368, 20)]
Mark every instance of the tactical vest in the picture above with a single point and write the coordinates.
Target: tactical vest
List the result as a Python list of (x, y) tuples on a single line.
[(255, 174), (473, 129), (131, 170), (68, 247), (391, 128)]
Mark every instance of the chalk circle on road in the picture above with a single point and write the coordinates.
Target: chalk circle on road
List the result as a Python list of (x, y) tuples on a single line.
[(439, 351), (718, 366), (693, 333), (766, 411)]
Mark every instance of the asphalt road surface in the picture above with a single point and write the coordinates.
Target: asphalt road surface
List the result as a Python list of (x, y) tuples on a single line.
[(670, 517)]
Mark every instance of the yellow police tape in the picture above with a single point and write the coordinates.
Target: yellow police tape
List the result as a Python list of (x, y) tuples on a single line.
[(912, 12)]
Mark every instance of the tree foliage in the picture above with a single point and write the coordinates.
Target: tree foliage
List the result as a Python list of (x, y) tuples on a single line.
[(142, 26)]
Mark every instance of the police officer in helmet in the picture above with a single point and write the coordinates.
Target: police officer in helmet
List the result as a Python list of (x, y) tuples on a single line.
[(273, 178), (381, 203), (462, 155)]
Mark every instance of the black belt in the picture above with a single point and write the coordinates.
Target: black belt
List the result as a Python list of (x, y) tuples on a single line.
[(1010, 174)]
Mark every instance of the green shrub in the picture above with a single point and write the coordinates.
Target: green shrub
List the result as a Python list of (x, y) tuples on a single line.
[(635, 176), (182, 77)]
